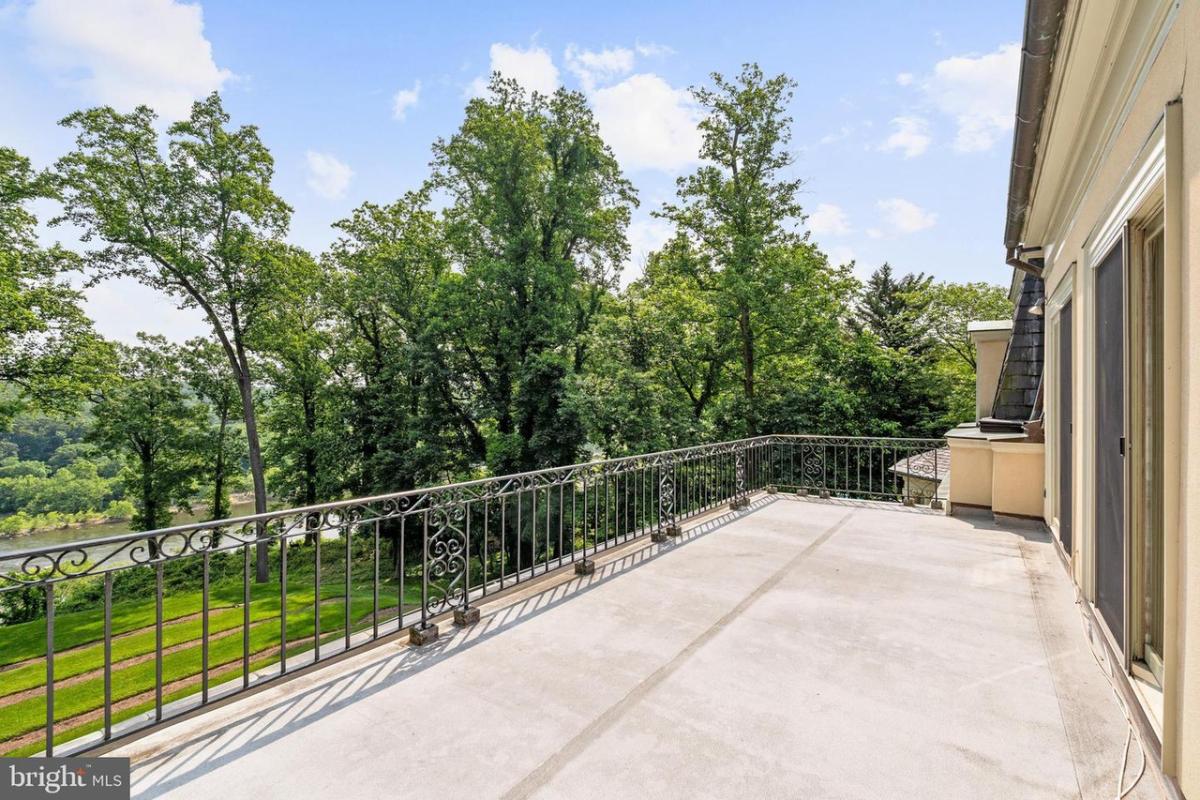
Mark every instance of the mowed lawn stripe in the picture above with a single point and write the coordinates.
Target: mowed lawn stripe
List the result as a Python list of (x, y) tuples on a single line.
[(72, 700), (36, 741), (86, 658)]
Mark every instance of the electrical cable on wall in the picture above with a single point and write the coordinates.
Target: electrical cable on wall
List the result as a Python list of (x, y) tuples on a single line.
[(1105, 665)]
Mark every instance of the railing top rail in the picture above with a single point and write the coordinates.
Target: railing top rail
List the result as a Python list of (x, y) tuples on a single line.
[(250, 520)]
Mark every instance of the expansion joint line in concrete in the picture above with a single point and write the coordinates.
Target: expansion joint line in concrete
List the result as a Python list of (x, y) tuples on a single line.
[(544, 772), (1031, 577)]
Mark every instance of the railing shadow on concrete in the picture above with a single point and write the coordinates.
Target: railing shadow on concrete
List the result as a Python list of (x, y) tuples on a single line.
[(259, 727)]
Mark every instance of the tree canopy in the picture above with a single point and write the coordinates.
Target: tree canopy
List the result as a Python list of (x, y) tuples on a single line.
[(477, 324)]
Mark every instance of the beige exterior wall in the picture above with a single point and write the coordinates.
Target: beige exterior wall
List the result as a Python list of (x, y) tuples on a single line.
[(990, 345), (1119, 66), (1017, 478), (970, 473), (1003, 474)]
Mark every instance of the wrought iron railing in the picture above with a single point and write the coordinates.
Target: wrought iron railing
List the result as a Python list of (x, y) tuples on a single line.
[(347, 573)]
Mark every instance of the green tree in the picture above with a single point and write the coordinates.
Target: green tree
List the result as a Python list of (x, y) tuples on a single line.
[(200, 224), (206, 371), (952, 306), (896, 310), (296, 341), (738, 212), (536, 223), (689, 336), (382, 274), (48, 348), (145, 416), (628, 394), (892, 363)]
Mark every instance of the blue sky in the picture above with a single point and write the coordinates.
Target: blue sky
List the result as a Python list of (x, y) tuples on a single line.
[(903, 114)]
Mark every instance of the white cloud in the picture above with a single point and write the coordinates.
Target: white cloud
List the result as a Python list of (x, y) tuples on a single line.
[(405, 99), (602, 66), (121, 307), (840, 256), (652, 50), (533, 68), (874, 233), (904, 78), (979, 92), (648, 123), (127, 52), (645, 236), (838, 135), (328, 176), (910, 135), (829, 220), (905, 216)]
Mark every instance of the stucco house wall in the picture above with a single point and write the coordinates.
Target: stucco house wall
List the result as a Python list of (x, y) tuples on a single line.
[(1130, 60)]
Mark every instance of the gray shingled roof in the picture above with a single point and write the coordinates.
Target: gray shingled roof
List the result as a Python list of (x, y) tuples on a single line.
[(1017, 391), (933, 465)]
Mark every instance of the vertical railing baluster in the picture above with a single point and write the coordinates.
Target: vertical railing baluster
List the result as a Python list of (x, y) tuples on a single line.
[(561, 513), (348, 529), (158, 640), (607, 505), (204, 627), (317, 597), (618, 505), (824, 469), (635, 476), (283, 582), (466, 599), (487, 503), (503, 537), (400, 569), (245, 616), (935, 502), (425, 570), (585, 517), (108, 584), (871, 468), (895, 476), (375, 584), (49, 669)]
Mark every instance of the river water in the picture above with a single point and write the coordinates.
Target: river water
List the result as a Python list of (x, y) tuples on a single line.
[(66, 536)]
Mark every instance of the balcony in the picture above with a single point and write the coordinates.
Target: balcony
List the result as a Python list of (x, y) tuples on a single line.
[(821, 638)]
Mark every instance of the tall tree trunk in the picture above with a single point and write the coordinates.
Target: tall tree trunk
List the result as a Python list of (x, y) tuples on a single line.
[(310, 452), (309, 457), (246, 389), (747, 336), (218, 504), (149, 502)]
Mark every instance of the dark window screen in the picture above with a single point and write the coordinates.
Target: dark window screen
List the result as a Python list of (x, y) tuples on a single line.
[(1110, 428)]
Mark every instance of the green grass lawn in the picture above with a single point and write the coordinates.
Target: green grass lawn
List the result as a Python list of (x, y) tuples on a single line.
[(84, 630), (79, 649), (66, 734)]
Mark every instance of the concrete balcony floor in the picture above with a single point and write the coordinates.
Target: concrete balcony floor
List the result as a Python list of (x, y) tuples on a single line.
[(805, 649)]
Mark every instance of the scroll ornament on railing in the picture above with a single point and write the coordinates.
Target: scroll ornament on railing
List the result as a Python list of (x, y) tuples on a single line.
[(447, 556), (666, 492)]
